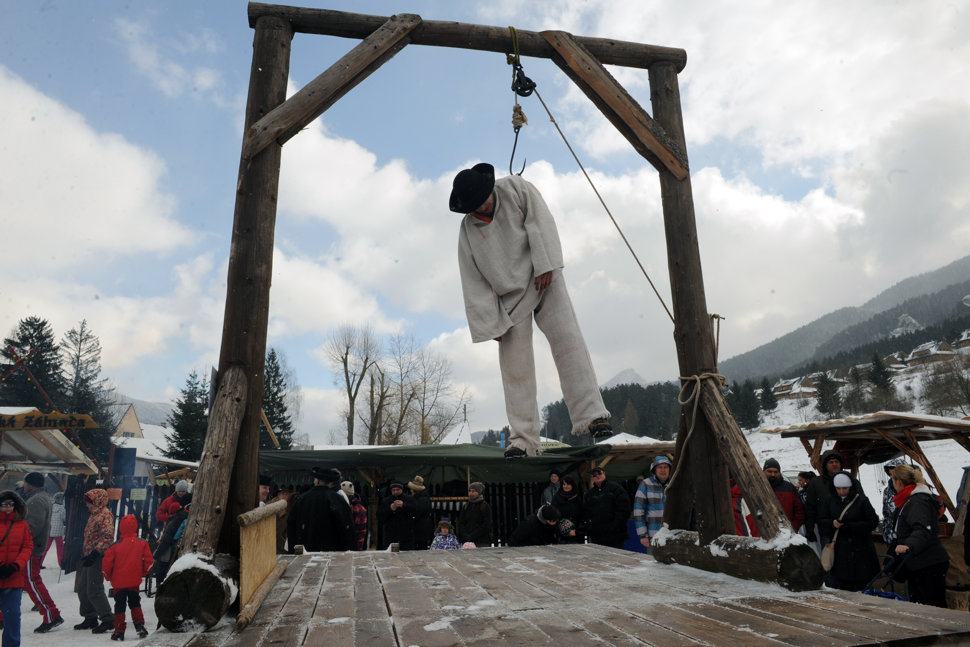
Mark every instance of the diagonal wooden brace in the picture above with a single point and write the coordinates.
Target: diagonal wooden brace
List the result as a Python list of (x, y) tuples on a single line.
[(744, 466), (646, 135), (290, 117)]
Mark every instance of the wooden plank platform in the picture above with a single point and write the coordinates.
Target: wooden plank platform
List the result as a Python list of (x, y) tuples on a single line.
[(557, 595)]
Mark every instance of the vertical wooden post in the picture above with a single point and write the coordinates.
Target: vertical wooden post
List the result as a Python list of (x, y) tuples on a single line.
[(251, 265), (692, 332)]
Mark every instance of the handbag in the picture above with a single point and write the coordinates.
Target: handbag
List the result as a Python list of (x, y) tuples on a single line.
[(828, 553)]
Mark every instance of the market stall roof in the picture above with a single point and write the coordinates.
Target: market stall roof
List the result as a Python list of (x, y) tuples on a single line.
[(444, 461), (923, 427), (449, 462), (30, 440)]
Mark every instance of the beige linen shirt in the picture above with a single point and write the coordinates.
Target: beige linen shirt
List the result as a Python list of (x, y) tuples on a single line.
[(499, 260)]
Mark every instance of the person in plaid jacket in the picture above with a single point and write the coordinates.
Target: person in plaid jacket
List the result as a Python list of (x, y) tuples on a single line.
[(648, 504)]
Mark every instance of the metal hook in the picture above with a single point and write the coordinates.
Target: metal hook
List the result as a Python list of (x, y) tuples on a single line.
[(512, 158)]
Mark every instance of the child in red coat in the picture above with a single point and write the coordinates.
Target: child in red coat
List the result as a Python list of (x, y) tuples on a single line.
[(125, 565)]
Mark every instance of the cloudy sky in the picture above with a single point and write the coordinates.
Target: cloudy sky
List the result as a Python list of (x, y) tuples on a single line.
[(828, 148)]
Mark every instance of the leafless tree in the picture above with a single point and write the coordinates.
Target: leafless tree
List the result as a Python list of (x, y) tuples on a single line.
[(947, 391), (399, 365), (351, 352), (438, 403), (375, 404)]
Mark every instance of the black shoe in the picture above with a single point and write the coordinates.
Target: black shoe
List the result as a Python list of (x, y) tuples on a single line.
[(89, 623), (118, 636), (104, 627), (513, 453), (600, 428), (47, 626), (141, 631)]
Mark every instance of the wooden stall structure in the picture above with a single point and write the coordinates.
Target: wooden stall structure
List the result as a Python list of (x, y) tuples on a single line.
[(31, 440), (546, 596)]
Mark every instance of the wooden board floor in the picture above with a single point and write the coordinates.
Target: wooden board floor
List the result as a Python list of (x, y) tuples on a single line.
[(557, 595)]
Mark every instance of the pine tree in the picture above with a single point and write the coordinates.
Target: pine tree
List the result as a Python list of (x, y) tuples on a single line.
[(744, 404), (769, 401), (490, 439), (880, 375), (631, 419), (32, 334), (85, 391), (275, 395), (189, 420), (827, 396)]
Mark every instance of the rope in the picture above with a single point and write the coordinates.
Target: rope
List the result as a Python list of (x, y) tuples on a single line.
[(603, 202), (696, 399), (518, 117)]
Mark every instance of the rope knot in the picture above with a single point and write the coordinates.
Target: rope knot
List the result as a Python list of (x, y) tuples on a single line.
[(695, 397)]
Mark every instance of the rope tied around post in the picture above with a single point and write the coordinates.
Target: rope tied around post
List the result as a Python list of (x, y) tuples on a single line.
[(695, 397)]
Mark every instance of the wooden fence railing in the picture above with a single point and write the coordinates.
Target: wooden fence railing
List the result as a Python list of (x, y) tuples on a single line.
[(259, 568)]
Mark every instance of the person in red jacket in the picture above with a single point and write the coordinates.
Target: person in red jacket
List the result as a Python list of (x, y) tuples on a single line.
[(787, 495), (174, 502), (125, 564), (16, 547)]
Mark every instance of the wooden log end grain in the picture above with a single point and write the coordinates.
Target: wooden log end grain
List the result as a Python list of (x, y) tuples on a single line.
[(197, 595)]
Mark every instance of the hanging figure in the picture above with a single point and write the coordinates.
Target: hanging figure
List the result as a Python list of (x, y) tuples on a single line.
[(511, 265)]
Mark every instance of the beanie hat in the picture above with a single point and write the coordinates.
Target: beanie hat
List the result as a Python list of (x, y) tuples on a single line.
[(659, 460), (842, 480), (34, 478), (471, 188), (548, 513), (327, 474), (478, 487), (445, 523), (416, 484), (348, 487), (771, 463), (182, 486), (394, 485)]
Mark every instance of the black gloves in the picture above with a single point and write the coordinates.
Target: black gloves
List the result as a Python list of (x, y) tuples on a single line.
[(6, 570), (90, 558)]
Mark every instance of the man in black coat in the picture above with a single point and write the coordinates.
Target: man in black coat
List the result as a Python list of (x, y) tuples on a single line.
[(396, 517), (606, 510), (819, 492), (423, 514), (475, 520), (320, 519), (539, 529)]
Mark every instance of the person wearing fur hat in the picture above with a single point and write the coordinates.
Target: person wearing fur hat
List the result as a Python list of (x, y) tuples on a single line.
[(787, 495), (475, 520), (15, 552), (265, 488), (346, 491), (444, 537), (125, 564), (320, 519), (850, 514), (539, 529), (820, 491), (39, 511), (99, 533), (423, 515), (918, 538), (511, 261), (649, 501), (396, 518)]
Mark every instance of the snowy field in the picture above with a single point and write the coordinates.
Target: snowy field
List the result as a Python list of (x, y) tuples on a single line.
[(62, 590)]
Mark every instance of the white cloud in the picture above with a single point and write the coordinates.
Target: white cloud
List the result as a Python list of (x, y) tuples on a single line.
[(71, 193), (170, 77)]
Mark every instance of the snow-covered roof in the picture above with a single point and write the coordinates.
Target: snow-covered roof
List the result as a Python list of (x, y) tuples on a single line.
[(923, 419), (786, 383), (929, 348), (629, 439), (148, 449), (15, 411), (964, 336)]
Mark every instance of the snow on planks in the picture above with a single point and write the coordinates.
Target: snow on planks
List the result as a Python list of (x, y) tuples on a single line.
[(556, 595)]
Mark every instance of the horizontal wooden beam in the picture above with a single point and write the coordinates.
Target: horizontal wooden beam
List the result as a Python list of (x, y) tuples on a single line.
[(290, 117), (442, 33), (616, 104)]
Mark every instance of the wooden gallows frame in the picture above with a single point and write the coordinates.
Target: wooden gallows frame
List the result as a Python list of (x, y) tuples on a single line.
[(716, 447)]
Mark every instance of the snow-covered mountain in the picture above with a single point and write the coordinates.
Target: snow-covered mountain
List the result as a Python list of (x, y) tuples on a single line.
[(149, 413), (626, 376)]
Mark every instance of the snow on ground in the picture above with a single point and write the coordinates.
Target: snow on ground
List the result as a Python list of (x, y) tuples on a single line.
[(62, 591)]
